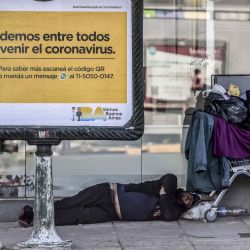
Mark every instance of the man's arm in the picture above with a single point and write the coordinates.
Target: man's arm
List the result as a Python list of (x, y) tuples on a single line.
[(149, 187), (169, 182), (152, 188), (169, 210)]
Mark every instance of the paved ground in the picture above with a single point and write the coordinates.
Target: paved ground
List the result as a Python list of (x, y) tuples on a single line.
[(225, 233)]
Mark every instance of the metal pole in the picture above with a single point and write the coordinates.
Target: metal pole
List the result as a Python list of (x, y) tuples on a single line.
[(44, 234)]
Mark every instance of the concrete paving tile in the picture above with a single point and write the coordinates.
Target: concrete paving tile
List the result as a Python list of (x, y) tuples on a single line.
[(221, 244), (215, 235), (99, 230), (94, 243), (222, 228), (156, 242), (83, 237), (220, 223), (152, 225), (149, 232), (236, 247), (12, 234), (148, 228), (59, 248), (97, 248), (161, 248), (96, 226), (91, 236), (156, 235)]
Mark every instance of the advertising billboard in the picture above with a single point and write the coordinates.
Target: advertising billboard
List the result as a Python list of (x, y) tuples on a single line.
[(70, 66)]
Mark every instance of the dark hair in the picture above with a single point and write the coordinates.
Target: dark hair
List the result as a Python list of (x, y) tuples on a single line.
[(27, 215), (180, 191)]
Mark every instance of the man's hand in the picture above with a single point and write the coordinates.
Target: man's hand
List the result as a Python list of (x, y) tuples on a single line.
[(157, 212), (162, 190)]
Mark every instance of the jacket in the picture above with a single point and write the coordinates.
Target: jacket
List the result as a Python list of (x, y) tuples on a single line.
[(170, 209), (205, 173)]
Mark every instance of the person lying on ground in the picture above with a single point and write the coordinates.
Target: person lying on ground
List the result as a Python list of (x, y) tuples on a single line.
[(150, 200)]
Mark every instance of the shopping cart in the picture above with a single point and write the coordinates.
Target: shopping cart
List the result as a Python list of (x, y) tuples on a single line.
[(238, 167)]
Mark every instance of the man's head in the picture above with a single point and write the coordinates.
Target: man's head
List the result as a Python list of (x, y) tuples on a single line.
[(26, 216), (186, 199)]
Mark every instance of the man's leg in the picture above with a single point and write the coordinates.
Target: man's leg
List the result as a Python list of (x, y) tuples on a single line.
[(89, 197), (84, 215)]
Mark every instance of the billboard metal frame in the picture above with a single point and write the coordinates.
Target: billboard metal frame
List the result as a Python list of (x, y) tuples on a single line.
[(132, 130)]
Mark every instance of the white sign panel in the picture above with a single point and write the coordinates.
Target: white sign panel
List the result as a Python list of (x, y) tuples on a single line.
[(65, 63)]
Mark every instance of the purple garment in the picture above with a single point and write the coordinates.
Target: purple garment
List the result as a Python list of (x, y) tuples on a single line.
[(230, 140)]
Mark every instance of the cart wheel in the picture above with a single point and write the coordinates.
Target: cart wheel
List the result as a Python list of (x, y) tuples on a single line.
[(210, 215)]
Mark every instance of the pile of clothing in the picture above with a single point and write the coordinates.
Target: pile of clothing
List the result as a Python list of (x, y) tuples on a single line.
[(217, 134)]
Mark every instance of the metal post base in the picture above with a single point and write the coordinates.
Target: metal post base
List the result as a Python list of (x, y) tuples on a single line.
[(44, 238), (44, 234)]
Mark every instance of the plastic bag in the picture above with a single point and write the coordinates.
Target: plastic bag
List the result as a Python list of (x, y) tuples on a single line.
[(197, 212), (234, 110)]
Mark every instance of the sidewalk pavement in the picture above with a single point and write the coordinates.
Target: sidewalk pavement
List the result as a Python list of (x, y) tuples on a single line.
[(225, 233)]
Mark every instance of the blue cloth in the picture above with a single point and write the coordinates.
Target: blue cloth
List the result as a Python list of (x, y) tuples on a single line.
[(205, 173), (135, 206)]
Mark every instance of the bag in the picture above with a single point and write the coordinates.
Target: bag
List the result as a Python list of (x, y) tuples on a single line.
[(234, 110), (197, 212)]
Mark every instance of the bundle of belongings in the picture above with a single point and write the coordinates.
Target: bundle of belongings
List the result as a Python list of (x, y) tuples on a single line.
[(217, 135)]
